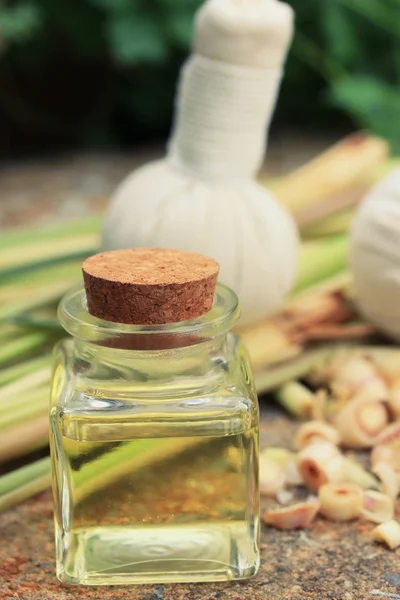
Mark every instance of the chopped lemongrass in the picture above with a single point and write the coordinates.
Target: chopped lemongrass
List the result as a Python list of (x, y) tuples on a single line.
[(320, 463), (272, 476), (388, 533), (360, 422), (341, 502), (315, 431), (297, 516), (388, 478), (296, 399), (378, 507), (355, 473)]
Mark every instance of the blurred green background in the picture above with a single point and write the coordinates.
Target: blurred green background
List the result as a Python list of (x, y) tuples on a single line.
[(101, 73)]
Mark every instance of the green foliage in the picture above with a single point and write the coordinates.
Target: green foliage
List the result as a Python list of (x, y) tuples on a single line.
[(343, 69)]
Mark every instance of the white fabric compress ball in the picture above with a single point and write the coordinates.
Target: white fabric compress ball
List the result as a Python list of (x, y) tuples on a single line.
[(375, 255)]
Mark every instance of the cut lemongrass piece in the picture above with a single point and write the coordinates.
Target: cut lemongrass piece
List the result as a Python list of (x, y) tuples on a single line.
[(355, 473), (388, 533), (378, 507), (315, 431), (281, 456), (360, 422), (272, 476), (320, 463), (296, 399), (388, 478), (297, 516), (341, 502)]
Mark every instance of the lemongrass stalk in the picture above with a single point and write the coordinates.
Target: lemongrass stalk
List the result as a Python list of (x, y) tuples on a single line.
[(44, 275), (26, 407), (38, 321), (32, 235), (334, 224), (44, 297), (339, 282), (266, 343), (23, 384), (337, 169), (298, 400), (22, 346), (28, 490), (24, 438), (24, 368), (297, 368), (42, 261), (10, 258), (321, 260), (23, 475)]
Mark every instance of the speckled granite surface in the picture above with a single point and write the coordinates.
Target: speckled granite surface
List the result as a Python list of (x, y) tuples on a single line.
[(326, 562)]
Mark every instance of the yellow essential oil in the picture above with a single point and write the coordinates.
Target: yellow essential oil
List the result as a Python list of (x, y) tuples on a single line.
[(154, 452), (167, 509)]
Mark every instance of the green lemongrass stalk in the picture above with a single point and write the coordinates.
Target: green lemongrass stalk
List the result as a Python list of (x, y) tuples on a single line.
[(34, 253), (9, 331), (337, 223), (39, 321), (322, 259), (12, 480), (23, 438), (24, 483), (26, 491), (297, 368), (28, 382), (339, 282), (29, 236), (296, 399), (20, 267), (51, 294), (22, 346), (23, 368), (26, 406)]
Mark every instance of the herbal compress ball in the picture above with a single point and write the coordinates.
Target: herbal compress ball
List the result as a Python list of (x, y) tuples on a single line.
[(375, 255), (203, 196)]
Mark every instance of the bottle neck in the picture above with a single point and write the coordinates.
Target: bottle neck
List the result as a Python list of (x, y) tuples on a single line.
[(201, 364), (222, 117)]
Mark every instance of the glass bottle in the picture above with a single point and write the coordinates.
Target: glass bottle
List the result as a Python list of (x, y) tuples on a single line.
[(154, 445)]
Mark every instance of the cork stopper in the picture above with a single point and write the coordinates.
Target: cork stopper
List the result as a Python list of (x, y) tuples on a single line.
[(149, 286)]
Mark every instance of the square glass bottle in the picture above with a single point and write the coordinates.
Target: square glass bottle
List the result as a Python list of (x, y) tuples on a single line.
[(154, 445)]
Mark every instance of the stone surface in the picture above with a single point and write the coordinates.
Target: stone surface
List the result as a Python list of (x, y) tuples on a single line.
[(326, 562)]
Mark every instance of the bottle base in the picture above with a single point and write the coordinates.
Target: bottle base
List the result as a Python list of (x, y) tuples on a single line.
[(167, 554)]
